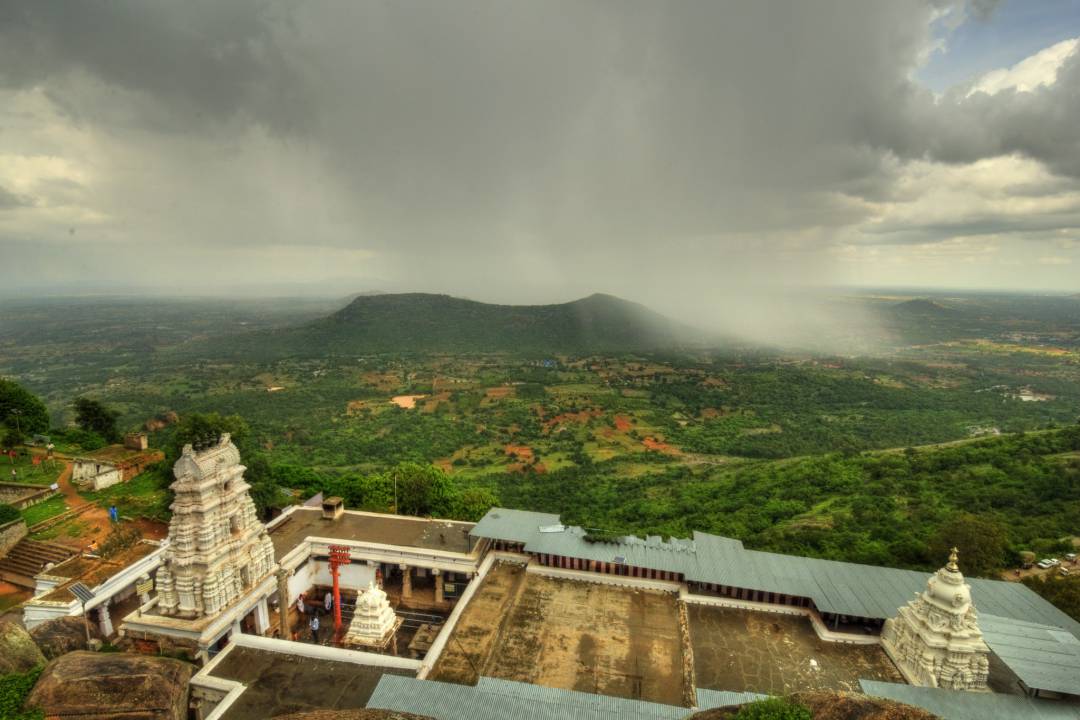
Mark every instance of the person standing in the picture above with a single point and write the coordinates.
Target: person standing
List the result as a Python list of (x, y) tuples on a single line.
[(315, 629)]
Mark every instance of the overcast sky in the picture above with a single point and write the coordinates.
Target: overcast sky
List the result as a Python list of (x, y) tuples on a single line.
[(538, 151)]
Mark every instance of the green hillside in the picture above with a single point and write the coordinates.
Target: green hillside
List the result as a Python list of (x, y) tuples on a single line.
[(426, 323)]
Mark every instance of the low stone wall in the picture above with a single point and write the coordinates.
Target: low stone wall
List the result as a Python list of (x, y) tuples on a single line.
[(812, 615), (22, 496), (10, 534)]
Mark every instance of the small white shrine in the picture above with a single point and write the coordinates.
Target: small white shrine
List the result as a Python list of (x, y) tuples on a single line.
[(935, 639), (217, 547), (374, 622)]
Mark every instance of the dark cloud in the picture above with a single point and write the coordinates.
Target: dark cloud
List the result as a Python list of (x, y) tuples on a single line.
[(500, 147), (10, 200)]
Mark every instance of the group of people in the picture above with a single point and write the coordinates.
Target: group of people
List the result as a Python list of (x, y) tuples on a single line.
[(313, 624)]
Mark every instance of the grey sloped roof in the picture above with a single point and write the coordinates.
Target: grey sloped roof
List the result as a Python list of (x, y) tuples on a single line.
[(709, 699), (493, 699), (1042, 656), (512, 525), (835, 587), (964, 705)]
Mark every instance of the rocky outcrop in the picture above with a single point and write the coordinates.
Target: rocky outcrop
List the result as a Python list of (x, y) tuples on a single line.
[(837, 706), (62, 635), (113, 685), (18, 652)]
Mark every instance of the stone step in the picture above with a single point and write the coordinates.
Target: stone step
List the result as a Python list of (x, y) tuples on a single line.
[(28, 557)]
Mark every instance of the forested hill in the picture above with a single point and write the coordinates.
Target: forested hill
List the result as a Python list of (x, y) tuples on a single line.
[(425, 323)]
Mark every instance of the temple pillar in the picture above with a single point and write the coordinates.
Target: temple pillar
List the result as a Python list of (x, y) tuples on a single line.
[(438, 585), (262, 617), (105, 620), (283, 603), (406, 581)]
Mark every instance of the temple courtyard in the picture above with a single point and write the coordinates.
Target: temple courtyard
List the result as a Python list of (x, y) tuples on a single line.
[(568, 634), (777, 654)]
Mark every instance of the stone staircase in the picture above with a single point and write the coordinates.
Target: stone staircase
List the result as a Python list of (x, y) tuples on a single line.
[(28, 557)]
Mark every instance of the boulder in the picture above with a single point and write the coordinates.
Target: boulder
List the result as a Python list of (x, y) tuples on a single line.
[(113, 685), (18, 653), (62, 635), (837, 706)]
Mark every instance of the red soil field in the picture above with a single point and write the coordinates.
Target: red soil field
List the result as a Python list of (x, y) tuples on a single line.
[(521, 452), (654, 444)]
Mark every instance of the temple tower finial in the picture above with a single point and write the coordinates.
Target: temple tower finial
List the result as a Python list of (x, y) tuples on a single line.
[(954, 556)]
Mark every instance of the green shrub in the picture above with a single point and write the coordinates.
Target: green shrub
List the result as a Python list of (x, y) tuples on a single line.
[(8, 513), (14, 689), (774, 709)]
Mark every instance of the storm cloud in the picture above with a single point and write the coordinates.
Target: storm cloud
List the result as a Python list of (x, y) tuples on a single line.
[(519, 151)]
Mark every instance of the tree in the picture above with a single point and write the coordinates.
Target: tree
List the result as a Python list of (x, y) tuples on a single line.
[(93, 416), (12, 439), (422, 490), (21, 409), (265, 492), (980, 539), (473, 503), (202, 430)]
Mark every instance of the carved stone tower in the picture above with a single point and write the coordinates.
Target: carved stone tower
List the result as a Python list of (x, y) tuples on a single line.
[(217, 547), (374, 622), (935, 639)]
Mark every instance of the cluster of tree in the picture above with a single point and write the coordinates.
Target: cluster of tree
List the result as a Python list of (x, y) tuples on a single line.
[(1063, 592), (21, 414), (809, 410), (407, 488), (91, 416)]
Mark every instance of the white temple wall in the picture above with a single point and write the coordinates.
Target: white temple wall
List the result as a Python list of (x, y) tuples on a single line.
[(355, 576), (300, 581)]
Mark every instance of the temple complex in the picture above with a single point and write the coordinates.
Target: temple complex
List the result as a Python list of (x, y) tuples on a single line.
[(935, 639)]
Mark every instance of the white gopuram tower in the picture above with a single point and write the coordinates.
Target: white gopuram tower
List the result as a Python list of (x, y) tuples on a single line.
[(374, 622), (935, 639), (217, 547)]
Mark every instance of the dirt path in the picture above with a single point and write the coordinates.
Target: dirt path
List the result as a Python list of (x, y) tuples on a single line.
[(90, 525)]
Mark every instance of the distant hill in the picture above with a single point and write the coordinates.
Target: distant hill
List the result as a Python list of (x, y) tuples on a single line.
[(425, 323), (923, 307)]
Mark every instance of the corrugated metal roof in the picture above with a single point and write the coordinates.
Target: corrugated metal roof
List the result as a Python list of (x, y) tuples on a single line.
[(512, 525), (963, 705), (493, 699), (1042, 656), (709, 699)]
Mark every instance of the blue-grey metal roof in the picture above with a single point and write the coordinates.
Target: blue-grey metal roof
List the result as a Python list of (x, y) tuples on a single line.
[(965, 705), (835, 587), (493, 699), (709, 699), (512, 525), (1044, 657)]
